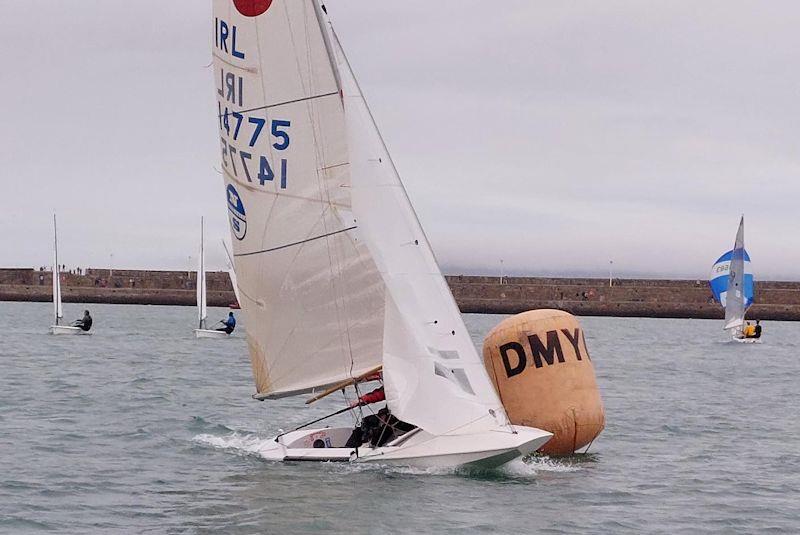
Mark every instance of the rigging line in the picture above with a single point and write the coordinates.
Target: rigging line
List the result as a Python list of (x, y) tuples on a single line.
[(279, 104), (322, 27), (334, 260), (297, 242)]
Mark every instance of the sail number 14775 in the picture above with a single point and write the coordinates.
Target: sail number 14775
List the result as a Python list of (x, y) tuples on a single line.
[(242, 163)]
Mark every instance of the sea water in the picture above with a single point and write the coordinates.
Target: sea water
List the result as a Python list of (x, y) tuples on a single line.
[(141, 428)]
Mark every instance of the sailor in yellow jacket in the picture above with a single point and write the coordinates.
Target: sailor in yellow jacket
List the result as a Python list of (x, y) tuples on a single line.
[(749, 331)]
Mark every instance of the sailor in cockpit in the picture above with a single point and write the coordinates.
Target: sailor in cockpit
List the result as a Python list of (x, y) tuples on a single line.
[(376, 429), (85, 323)]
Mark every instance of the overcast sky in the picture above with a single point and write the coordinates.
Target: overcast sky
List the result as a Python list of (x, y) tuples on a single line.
[(553, 135)]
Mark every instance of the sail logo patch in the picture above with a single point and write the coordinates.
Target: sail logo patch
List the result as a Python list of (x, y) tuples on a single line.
[(252, 8), (236, 214)]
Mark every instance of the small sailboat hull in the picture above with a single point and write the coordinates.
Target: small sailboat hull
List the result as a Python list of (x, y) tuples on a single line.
[(67, 329), (485, 450), (208, 333), (747, 340), (415, 449)]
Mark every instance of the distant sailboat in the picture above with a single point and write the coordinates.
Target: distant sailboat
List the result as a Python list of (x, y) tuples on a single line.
[(339, 282), (202, 330), (733, 286), (58, 311)]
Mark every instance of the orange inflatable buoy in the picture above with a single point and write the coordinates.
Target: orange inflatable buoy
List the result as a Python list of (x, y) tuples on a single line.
[(541, 369)]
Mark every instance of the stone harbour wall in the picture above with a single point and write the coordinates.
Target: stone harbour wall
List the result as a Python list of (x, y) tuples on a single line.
[(582, 297)]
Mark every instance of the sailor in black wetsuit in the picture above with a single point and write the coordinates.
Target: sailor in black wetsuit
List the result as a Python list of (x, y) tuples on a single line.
[(378, 429), (85, 323)]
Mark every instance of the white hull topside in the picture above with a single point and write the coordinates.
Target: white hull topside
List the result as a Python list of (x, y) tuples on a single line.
[(67, 329), (208, 333), (416, 448), (738, 336)]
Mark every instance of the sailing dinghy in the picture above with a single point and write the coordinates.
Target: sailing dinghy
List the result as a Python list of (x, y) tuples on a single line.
[(338, 280), (202, 309), (733, 286), (58, 309)]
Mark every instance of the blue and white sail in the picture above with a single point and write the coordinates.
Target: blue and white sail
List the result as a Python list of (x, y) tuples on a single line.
[(732, 282), (720, 275)]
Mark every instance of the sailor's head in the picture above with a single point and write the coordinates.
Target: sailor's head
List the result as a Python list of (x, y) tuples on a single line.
[(230, 313), (85, 312), (758, 322)]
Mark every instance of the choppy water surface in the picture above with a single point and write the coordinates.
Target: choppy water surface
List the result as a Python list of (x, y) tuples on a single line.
[(142, 428)]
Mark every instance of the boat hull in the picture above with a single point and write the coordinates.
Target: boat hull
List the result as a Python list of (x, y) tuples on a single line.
[(67, 329), (482, 450), (416, 449), (208, 333), (747, 340)]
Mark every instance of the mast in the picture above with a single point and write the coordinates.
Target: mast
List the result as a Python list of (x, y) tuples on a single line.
[(201, 280), (57, 308)]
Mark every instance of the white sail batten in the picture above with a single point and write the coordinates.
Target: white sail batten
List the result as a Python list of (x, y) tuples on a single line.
[(433, 374), (735, 299), (58, 310), (311, 293)]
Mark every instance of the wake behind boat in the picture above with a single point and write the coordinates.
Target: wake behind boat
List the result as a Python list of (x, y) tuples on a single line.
[(336, 275), (733, 285)]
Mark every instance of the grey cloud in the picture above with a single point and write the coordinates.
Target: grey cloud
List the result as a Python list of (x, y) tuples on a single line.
[(554, 135)]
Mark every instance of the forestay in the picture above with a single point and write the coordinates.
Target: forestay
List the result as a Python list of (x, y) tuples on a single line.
[(433, 374), (336, 273)]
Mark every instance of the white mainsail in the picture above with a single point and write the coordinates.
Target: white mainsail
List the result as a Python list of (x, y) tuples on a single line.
[(735, 299), (312, 296), (57, 307), (202, 309), (232, 272), (337, 276)]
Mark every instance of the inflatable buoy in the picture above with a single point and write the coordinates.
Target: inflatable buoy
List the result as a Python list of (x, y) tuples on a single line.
[(542, 371)]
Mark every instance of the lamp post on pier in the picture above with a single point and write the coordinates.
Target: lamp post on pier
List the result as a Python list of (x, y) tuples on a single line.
[(610, 273)]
